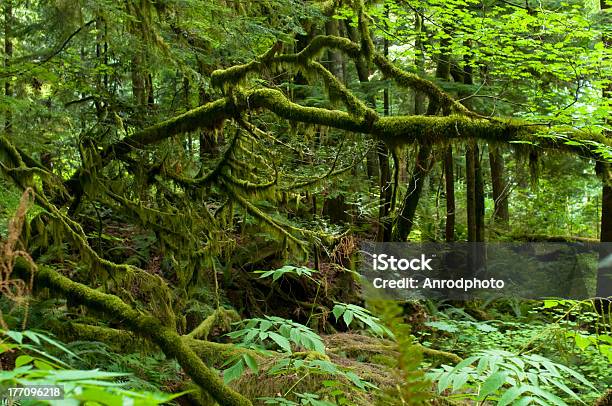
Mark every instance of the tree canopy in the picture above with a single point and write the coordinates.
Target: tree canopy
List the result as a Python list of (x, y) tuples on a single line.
[(190, 180)]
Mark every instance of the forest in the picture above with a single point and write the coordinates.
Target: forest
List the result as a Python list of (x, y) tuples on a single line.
[(190, 189)]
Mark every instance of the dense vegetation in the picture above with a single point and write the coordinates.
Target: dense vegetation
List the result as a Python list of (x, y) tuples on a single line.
[(184, 185)]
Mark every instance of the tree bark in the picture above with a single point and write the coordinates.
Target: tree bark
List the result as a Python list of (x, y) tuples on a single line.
[(405, 219), (604, 284), (449, 182), (500, 194), (385, 187), (145, 325), (334, 57), (8, 55), (363, 73), (419, 62), (423, 161), (479, 201), (209, 144), (470, 182)]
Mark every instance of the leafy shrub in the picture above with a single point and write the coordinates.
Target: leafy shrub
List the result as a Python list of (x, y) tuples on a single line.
[(351, 312), (34, 365), (279, 331), (508, 377), (297, 271)]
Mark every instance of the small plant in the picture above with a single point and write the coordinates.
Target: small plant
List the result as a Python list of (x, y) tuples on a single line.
[(305, 399), (351, 312), (266, 333), (507, 377), (318, 367), (35, 366), (279, 331), (239, 364), (297, 271), (340, 379)]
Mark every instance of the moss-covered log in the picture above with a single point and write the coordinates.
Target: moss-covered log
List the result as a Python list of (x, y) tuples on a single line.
[(211, 353)]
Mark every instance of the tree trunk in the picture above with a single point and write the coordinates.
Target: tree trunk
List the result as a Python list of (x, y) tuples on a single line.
[(419, 62), (604, 284), (470, 182), (385, 186), (500, 194), (479, 201), (8, 54), (334, 58), (475, 187), (423, 162), (405, 219), (449, 182), (363, 73), (209, 144), (385, 192)]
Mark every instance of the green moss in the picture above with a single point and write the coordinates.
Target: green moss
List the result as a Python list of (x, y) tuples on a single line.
[(215, 354), (220, 317), (208, 115), (167, 339)]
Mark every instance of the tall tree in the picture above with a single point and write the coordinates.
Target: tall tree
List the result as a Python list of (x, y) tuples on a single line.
[(604, 283), (8, 55), (498, 181)]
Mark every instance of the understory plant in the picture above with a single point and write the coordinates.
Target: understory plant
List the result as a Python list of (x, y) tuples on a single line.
[(510, 378), (34, 364)]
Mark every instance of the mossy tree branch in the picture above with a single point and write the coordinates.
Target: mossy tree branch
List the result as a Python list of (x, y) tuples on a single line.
[(167, 339)]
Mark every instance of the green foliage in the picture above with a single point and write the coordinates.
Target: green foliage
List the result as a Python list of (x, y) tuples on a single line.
[(297, 271), (279, 332), (238, 367), (564, 331), (304, 399), (318, 367), (351, 313), (599, 336), (509, 377), (34, 365), (414, 387), (181, 198)]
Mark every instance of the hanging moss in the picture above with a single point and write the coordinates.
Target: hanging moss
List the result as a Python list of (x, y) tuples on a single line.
[(208, 115)]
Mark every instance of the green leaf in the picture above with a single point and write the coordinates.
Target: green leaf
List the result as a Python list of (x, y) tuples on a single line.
[(233, 372), (444, 382), (15, 335), (510, 395), (251, 363), (281, 341), (492, 384), (337, 311), (442, 326), (348, 317), (460, 379), (582, 342), (32, 336), (40, 364), (23, 360)]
